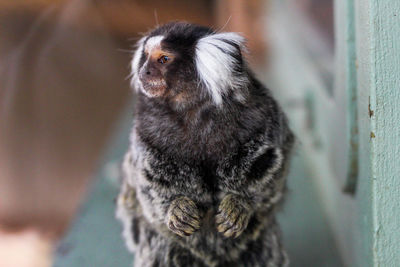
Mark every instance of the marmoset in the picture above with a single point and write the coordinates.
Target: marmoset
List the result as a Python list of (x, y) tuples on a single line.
[(208, 157)]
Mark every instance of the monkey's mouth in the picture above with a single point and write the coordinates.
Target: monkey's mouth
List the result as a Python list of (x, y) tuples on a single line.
[(154, 88)]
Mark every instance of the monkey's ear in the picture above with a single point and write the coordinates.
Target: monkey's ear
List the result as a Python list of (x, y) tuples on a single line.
[(135, 82), (219, 63)]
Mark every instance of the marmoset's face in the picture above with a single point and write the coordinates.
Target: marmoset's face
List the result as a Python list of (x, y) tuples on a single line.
[(163, 67), (153, 71), (186, 64)]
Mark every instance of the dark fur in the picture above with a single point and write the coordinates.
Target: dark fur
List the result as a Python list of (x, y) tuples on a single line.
[(201, 180)]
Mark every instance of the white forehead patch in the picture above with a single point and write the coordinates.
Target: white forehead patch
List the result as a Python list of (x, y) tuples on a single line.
[(215, 63), (153, 42)]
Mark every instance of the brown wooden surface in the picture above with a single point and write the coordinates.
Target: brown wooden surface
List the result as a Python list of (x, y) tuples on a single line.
[(247, 18)]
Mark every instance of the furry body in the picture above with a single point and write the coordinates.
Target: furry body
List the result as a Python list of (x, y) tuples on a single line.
[(208, 157)]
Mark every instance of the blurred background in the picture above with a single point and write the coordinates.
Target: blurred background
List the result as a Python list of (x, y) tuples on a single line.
[(66, 110)]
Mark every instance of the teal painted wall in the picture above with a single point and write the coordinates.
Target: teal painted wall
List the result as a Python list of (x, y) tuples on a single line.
[(381, 33), (358, 126)]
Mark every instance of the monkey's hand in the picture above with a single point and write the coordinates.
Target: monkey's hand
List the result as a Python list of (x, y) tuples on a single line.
[(183, 217), (233, 216)]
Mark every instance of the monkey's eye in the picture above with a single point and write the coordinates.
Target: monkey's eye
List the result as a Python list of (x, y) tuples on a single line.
[(163, 59)]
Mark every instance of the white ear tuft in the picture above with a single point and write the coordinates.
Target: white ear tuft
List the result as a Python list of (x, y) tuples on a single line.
[(217, 58), (135, 82)]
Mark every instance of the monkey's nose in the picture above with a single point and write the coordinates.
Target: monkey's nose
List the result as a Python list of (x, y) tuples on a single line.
[(148, 72)]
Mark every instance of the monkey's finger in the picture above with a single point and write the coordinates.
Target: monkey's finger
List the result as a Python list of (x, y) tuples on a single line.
[(184, 216), (186, 205), (233, 227), (224, 224), (222, 228), (220, 218), (234, 231), (177, 231), (232, 234), (232, 213), (189, 227)]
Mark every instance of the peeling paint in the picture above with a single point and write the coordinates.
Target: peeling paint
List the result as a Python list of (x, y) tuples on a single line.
[(370, 111), (372, 135)]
